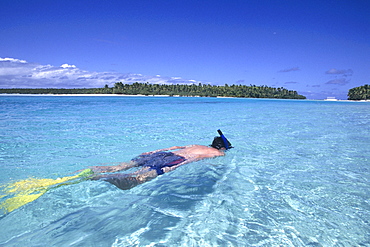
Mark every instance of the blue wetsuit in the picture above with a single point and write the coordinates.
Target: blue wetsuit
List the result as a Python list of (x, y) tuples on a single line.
[(159, 160)]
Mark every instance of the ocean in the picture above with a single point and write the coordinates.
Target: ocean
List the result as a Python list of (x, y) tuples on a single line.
[(298, 174)]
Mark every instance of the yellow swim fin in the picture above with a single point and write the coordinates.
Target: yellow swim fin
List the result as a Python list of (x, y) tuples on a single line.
[(28, 190)]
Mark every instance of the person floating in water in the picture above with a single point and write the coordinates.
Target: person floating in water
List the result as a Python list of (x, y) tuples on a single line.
[(152, 165), (158, 162)]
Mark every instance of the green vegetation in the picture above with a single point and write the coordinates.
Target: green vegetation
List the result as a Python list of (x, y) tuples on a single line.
[(359, 93), (203, 90), (56, 91)]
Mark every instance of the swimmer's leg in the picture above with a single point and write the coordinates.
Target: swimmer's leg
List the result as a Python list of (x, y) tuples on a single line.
[(121, 167), (128, 181)]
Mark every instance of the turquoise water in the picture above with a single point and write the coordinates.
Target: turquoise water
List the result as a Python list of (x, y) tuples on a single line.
[(298, 175)]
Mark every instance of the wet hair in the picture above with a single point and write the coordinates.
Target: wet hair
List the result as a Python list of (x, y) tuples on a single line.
[(218, 143)]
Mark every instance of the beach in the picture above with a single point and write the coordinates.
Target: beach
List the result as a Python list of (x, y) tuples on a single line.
[(141, 95)]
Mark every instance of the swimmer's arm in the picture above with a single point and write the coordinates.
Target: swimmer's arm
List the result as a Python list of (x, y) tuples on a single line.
[(167, 149), (168, 169), (190, 160)]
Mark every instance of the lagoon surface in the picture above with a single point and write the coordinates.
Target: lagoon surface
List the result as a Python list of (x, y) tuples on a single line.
[(298, 175)]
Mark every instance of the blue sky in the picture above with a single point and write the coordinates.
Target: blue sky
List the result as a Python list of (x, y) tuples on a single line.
[(318, 48)]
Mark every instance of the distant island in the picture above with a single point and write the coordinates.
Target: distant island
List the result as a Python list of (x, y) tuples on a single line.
[(201, 90), (359, 93)]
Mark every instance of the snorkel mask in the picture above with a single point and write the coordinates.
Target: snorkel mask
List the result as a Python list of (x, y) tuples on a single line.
[(221, 141)]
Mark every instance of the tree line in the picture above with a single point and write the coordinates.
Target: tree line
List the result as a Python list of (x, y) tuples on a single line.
[(359, 93), (202, 90)]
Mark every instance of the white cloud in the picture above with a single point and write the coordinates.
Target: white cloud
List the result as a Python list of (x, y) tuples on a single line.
[(16, 73), (340, 81), (340, 77), (339, 72), (290, 82), (8, 59), (64, 66), (290, 69)]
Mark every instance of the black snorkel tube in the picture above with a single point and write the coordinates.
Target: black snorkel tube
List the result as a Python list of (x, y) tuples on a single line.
[(226, 142)]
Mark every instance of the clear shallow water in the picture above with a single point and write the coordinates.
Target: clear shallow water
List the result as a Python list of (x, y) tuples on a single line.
[(298, 175)]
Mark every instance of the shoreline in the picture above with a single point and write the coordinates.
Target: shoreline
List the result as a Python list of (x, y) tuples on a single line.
[(142, 95), (109, 95), (114, 95)]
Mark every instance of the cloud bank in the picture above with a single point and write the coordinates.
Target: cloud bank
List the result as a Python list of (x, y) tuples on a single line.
[(16, 73)]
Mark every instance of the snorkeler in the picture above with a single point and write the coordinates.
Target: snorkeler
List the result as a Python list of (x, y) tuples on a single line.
[(158, 162), (152, 164)]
